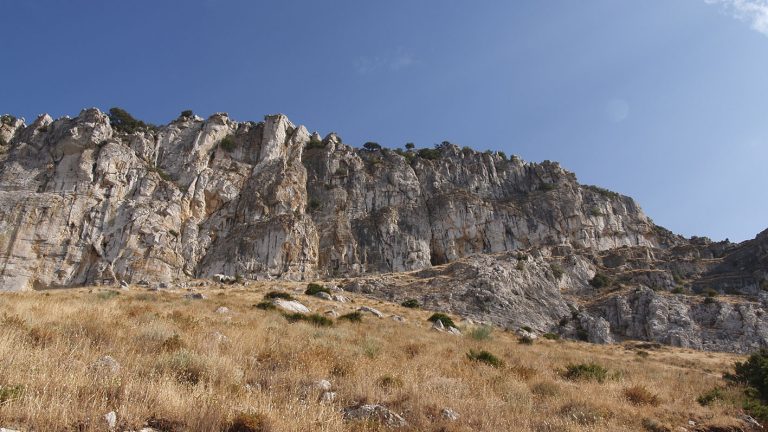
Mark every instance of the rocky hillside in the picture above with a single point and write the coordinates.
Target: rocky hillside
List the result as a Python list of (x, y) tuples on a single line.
[(99, 199)]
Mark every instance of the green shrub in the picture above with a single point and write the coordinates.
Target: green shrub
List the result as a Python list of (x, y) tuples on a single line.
[(228, 143), (315, 142), (410, 146), (709, 292), (313, 204), (485, 357), (521, 256), (600, 280), (502, 155), (186, 366), (314, 319), (314, 288), (711, 396), (551, 336), (411, 303), (10, 393), (121, 121), (445, 319), (372, 146), (586, 372), (7, 119), (557, 271), (678, 290), (709, 300), (355, 316), (526, 328), (753, 373), (265, 305), (278, 295), (604, 192), (187, 114), (429, 154), (546, 187), (106, 295), (482, 332)]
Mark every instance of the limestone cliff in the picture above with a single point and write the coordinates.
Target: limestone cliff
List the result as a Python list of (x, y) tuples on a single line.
[(86, 200), (83, 203)]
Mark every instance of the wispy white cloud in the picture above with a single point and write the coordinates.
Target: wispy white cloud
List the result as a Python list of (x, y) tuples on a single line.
[(395, 61), (755, 12)]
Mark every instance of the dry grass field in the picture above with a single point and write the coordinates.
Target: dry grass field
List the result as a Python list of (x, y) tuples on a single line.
[(183, 366)]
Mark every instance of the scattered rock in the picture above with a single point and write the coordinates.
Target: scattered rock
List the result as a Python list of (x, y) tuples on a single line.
[(340, 298), (438, 325), (323, 295), (526, 334), (377, 412), (449, 414), (143, 283), (106, 365), (750, 421), (223, 278), (219, 337), (162, 285), (222, 310), (323, 385), (124, 285), (8, 430), (328, 397), (290, 306), (454, 331), (371, 311), (397, 318), (195, 296), (111, 419), (332, 313)]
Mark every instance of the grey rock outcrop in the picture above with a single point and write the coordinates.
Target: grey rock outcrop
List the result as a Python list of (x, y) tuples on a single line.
[(82, 202), (377, 413), (497, 240)]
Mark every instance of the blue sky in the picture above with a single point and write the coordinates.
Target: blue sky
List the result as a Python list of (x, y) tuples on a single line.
[(662, 100)]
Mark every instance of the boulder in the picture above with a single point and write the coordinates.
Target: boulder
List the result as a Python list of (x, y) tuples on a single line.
[(449, 414), (291, 306), (374, 412), (371, 310)]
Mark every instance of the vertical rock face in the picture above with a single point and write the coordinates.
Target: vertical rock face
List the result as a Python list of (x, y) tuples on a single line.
[(81, 202), (495, 239)]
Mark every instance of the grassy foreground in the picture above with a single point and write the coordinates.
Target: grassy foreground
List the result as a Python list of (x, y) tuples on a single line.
[(184, 366)]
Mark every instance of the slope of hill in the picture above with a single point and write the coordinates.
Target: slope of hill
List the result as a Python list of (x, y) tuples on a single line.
[(178, 360)]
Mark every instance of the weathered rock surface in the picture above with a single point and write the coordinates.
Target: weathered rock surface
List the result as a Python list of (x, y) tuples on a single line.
[(474, 234), (377, 413), (82, 203), (291, 306)]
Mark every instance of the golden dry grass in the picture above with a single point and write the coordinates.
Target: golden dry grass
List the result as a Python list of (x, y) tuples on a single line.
[(176, 374)]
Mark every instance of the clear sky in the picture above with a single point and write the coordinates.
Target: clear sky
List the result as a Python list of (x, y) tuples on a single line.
[(662, 100)]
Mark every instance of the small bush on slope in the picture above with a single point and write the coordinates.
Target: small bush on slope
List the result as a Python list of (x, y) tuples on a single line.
[(485, 357), (586, 372), (445, 319)]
